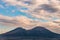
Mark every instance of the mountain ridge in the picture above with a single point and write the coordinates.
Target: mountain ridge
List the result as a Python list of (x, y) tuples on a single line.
[(35, 32)]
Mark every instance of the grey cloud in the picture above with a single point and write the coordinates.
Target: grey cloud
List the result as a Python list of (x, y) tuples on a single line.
[(28, 2), (48, 8), (9, 21)]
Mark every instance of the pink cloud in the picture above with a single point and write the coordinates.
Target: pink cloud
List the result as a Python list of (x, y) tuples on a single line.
[(36, 11)]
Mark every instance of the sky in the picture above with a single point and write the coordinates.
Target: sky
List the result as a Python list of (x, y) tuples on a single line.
[(29, 14)]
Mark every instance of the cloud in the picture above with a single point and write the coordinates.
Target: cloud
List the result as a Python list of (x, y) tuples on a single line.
[(18, 21), (46, 10), (57, 21), (7, 20), (23, 20), (38, 6), (27, 23), (1, 6)]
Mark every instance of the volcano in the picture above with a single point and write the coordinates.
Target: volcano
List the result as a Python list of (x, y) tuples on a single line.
[(35, 32)]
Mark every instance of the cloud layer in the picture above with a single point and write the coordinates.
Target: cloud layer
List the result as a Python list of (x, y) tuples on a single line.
[(40, 10), (24, 22)]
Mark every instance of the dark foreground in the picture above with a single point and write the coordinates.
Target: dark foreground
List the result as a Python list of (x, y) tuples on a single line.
[(29, 38)]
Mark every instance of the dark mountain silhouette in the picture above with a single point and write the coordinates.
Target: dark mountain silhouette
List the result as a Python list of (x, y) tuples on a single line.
[(16, 32), (35, 32), (42, 32)]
